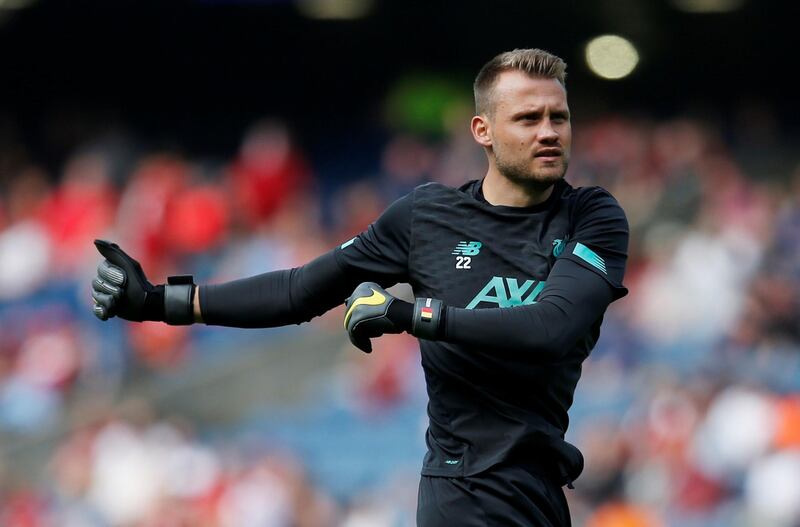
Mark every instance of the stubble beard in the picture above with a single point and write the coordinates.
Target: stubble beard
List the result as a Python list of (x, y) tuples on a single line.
[(522, 174)]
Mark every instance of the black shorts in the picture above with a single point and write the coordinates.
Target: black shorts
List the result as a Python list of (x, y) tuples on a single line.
[(507, 495)]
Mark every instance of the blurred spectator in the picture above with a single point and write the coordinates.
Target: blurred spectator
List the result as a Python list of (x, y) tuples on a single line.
[(25, 247), (83, 205), (267, 171), (142, 214)]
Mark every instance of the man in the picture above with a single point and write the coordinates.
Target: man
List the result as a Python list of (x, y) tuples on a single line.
[(512, 275)]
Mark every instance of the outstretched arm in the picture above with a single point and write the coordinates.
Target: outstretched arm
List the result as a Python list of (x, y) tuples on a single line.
[(277, 298)]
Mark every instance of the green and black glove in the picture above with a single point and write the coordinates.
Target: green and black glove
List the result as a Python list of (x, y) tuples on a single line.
[(372, 312), (121, 289)]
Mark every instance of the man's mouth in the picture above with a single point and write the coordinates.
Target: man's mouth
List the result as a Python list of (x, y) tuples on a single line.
[(548, 154)]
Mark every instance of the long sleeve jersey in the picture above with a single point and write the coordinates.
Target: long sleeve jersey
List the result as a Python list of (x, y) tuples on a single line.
[(525, 289)]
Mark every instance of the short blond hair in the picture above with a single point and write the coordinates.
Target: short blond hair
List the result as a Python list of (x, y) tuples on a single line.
[(536, 63)]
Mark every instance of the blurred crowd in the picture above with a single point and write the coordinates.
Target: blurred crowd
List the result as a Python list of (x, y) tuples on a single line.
[(688, 411)]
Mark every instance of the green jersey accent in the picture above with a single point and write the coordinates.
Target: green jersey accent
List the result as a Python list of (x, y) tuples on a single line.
[(589, 256)]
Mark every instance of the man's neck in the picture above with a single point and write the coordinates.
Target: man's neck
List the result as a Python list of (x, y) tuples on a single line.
[(499, 190)]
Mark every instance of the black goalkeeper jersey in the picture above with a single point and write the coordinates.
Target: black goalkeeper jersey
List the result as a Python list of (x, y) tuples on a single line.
[(487, 402), (525, 290)]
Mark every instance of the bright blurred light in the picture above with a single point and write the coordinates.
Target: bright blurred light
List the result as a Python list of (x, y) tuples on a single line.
[(708, 6), (611, 56), (334, 9)]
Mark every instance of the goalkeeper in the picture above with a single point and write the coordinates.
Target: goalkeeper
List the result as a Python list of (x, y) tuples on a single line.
[(512, 274)]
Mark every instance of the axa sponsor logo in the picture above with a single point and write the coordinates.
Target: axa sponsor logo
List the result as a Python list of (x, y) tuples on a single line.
[(508, 292)]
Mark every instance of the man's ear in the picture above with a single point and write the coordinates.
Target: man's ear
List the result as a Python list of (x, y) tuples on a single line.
[(481, 131)]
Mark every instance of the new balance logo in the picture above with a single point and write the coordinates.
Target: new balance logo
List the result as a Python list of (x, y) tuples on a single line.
[(468, 248)]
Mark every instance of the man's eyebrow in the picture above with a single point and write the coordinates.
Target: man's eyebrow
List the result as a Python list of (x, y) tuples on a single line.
[(538, 110), (528, 111)]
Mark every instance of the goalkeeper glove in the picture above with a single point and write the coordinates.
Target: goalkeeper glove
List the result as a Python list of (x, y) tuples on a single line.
[(122, 289), (372, 312)]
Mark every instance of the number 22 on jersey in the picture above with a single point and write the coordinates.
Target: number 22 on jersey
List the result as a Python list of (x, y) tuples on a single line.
[(464, 252)]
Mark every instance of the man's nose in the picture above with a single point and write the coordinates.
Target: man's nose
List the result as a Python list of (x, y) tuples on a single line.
[(547, 134)]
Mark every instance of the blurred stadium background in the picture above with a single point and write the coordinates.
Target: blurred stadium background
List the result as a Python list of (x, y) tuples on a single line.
[(230, 137)]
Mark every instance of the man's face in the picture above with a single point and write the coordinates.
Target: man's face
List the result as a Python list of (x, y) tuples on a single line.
[(529, 128)]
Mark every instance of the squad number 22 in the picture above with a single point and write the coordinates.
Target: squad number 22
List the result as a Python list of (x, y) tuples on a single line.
[(463, 262)]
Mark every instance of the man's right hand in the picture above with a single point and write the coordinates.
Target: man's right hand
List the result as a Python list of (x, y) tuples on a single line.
[(122, 289)]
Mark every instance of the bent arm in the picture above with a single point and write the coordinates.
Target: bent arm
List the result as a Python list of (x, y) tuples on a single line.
[(571, 302), (584, 280)]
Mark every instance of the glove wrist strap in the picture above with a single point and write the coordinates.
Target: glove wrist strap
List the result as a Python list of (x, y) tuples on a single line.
[(178, 296), (427, 318)]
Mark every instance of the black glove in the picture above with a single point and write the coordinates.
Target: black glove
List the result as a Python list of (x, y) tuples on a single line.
[(122, 289), (372, 312)]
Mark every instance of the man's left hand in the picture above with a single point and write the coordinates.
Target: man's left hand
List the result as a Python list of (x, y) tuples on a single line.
[(371, 312)]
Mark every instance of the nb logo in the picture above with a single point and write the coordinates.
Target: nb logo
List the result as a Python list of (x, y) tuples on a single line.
[(468, 248), (496, 292)]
